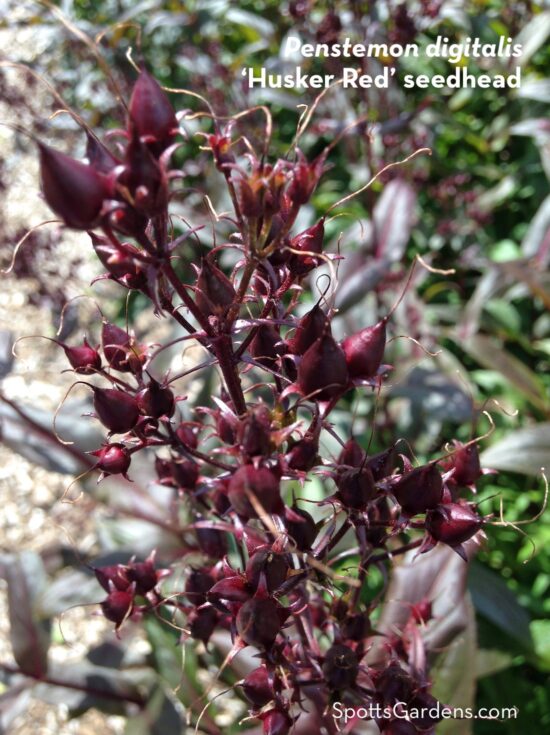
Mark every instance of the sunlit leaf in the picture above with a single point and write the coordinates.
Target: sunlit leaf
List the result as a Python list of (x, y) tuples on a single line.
[(29, 627), (488, 352), (523, 450), (495, 601)]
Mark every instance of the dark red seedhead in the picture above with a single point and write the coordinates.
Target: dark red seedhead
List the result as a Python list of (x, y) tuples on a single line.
[(365, 351), (112, 459), (260, 483), (118, 411), (259, 622), (453, 523), (419, 490), (72, 189), (84, 359), (322, 372), (152, 116), (340, 667)]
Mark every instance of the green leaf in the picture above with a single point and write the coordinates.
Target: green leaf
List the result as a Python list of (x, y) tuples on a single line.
[(166, 651), (525, 450), (540, 630), (490, 353), (496, 602), (159, 717), (489, 662)]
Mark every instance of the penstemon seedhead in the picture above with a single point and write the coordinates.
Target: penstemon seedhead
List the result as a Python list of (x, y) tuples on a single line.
[(230, 461)]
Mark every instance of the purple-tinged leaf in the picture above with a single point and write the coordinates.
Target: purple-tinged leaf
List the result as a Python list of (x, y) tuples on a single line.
[(13, 702), (359, 276), (525, 450), (454, 676), (440, 577), (538, 233), (489, 353), (81, 686), (394, 216), (29, 628)]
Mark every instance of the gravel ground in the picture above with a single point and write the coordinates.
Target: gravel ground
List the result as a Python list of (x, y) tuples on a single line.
[(32, 516)]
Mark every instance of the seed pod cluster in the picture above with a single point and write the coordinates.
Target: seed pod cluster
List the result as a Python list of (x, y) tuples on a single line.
[(258, 482)]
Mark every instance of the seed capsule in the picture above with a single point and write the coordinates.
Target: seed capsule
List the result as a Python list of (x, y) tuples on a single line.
[(340, 667), (119, 263), (258, 687), (255, 432), (198, 584), (233, 589), (185, 473), (151, 114), (116, 346), (276, 722), (264, 348), (156, 400), (352, 454), (274, 566), (322, 370), (212, 542), (250, 201), (117, 606), (144, 575), (453, 523), (84, 359), (382, 464), (305, 177), (113, 575), (303, 455), (72, 189), (116, 410), (365, 350), (311, 327), (466, 465), (309, 243), (259, 622), (419, 490), (355, 488), (99, 156), (302, 533), (259, 482), (113, 459), (202, 623), (143, 183), (187, 436)]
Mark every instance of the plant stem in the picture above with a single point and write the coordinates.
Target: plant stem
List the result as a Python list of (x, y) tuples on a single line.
[(401, 550), (47, 434), (180, 289), (224, 352), (101, 693)]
